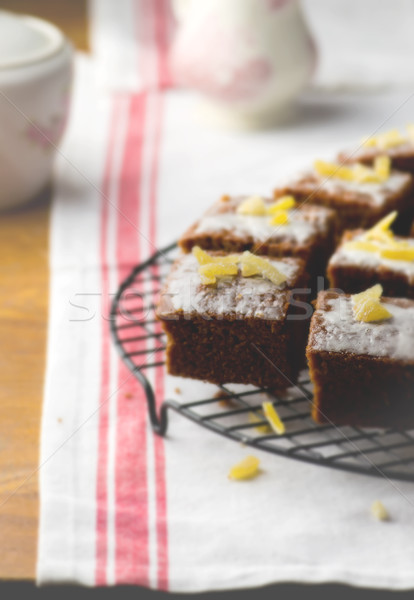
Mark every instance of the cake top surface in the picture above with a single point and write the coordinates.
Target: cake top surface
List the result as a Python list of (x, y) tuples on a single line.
[(236, 296), (361, 152), (394, 143), (304, 224), (335, 329), (347, 255), (374, 194)]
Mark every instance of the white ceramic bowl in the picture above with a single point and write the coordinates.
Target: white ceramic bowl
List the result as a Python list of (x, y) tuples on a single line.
[(35, 84)]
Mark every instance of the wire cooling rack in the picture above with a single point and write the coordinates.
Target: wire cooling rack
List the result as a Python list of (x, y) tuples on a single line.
[(234, 411)]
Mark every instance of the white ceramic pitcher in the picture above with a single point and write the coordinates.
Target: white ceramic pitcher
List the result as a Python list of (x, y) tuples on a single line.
[(249, 58), (35, 83)]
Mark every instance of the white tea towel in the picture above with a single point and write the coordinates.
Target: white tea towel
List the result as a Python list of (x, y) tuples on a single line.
[(120, 505)]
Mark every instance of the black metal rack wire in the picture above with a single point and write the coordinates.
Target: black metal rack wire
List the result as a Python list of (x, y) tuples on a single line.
[(235, 411)]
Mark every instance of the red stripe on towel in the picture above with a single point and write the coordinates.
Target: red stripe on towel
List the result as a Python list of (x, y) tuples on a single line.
[(159, 381), (131, 485)]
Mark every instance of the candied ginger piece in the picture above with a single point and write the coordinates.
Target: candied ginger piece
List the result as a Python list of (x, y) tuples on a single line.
[(364, 174), (257, 265), (410, 131), (374, 292), (250, 270), (387, 240), (382, 167), (246, 469), (210, 272), (284, 203), (280, 218), (327, 169), (379, 511), (390, 139), (382, 237), (370, 142), (398, 253), (386, 140), (258, 419), (361, 245), (273, 418), (252, 206), (381, 230), (370, 310), (367, 306), (386, 222), (204, 258)]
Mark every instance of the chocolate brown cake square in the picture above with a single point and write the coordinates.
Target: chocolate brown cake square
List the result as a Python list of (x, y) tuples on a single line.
[(239, 330), (357, 204), (401, 155), (363, 373), (353, 270), (309, 234)]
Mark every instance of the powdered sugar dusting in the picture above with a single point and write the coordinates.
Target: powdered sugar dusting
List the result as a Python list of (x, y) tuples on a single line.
[(302, 225), (340, 332), (378, 192)]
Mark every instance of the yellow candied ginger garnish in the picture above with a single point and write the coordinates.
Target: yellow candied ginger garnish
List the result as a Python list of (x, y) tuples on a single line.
[(362, 245), (256, 265), (284, 203), (327, 169), (257, 419), (246, 469), (385, 238), (382, 167), (371, 310), (211, 267), (364, 174), (252, 206), (381, 230), (370, 142), (379, 511), (398, 253), (410, 131), (359, 173), (367, 307), (280, 218), (378, 174), (204, 258), (250, 270), (210, 272), (374, 293), (255, 206), (273, 418), (386, 140), (380, 240), (279, 210)]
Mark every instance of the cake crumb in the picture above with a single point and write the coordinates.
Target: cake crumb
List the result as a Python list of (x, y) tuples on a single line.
[(379, 511), (60, 420), (225, 399), (177, 390), (129, 395), (225, 198)]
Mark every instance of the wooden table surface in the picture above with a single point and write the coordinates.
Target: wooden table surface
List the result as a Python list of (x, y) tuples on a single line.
[(23, 326)]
